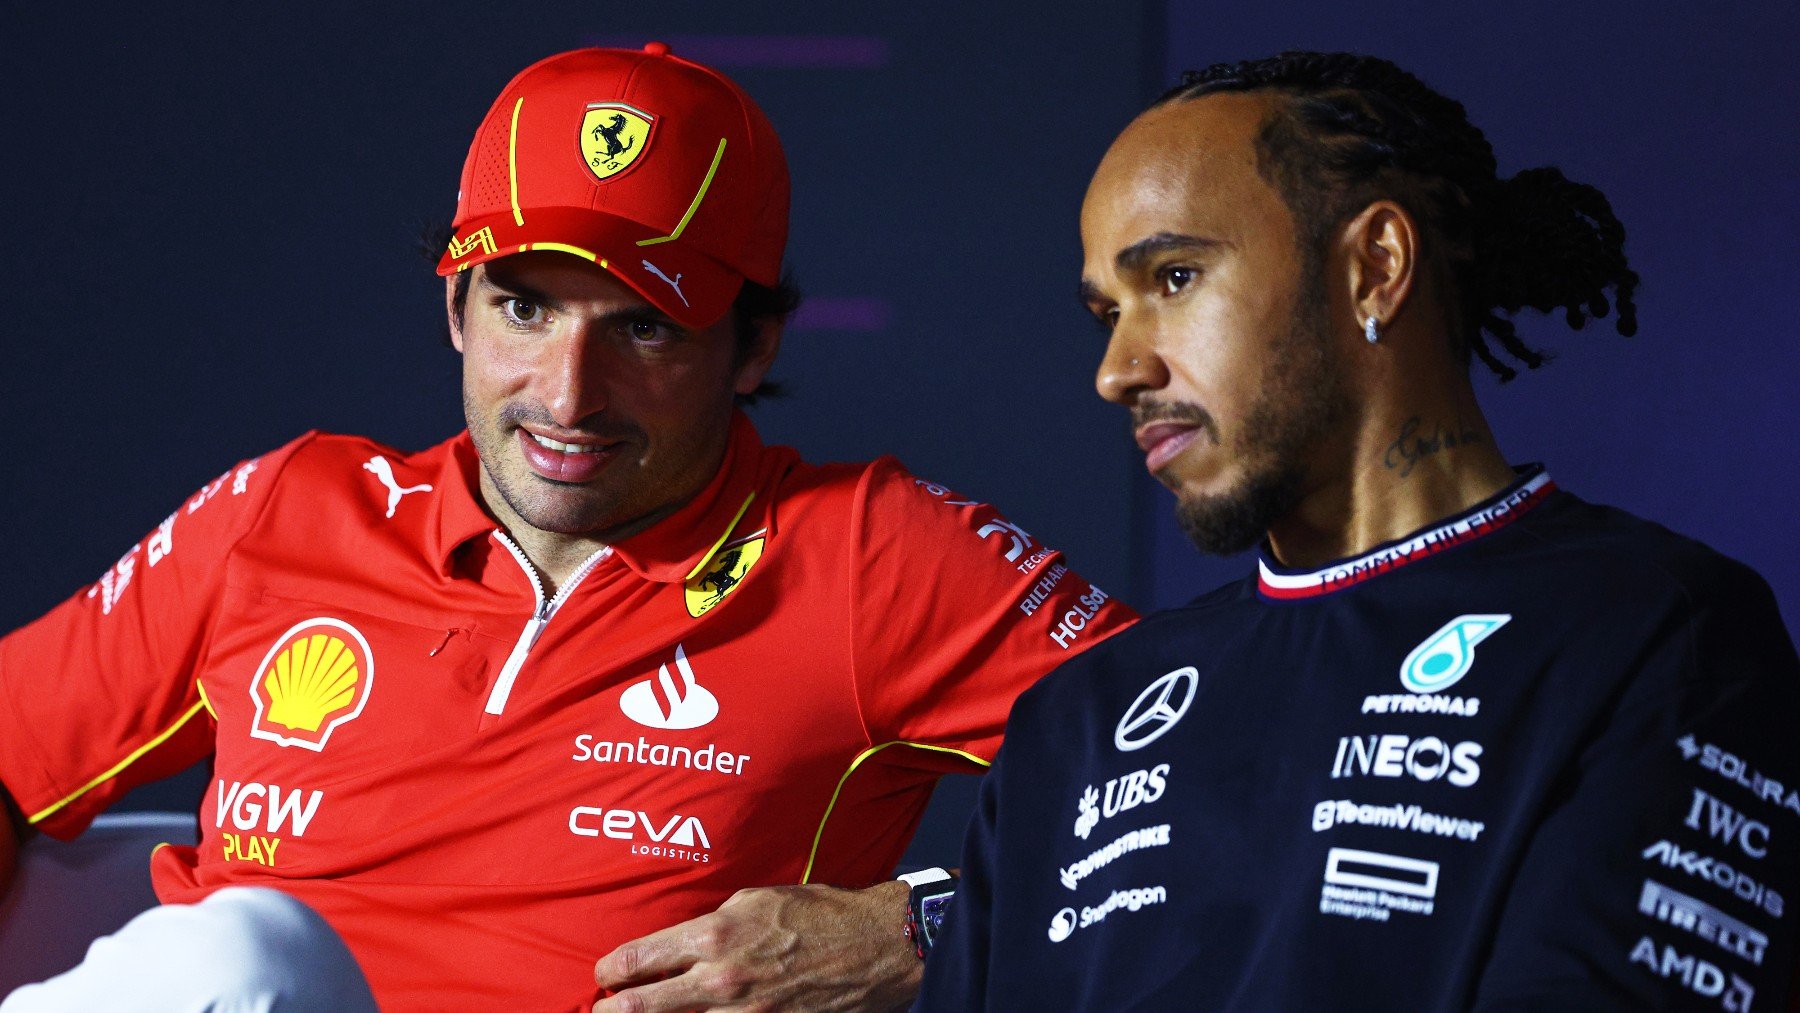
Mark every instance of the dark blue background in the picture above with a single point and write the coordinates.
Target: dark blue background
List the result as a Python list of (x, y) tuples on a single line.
[(1684, 115), (210, 209)]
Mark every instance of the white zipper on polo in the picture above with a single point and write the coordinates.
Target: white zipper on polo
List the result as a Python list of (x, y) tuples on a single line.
[(540, 617)]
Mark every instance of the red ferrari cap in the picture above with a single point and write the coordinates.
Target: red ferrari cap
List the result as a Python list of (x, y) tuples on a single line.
[(658, 169)]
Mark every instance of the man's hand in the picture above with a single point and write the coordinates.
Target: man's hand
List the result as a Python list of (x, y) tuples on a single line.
[(782, 947)]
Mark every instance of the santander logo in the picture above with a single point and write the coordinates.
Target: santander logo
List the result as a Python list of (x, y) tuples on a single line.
[(663, 703)]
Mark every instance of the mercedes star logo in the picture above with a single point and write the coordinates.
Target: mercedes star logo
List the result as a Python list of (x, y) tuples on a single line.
[(1157, 708)]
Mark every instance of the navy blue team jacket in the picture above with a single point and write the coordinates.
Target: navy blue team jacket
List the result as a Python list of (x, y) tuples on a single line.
[(1542, 756)]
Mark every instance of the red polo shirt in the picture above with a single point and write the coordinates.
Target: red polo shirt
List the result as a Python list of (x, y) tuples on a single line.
[(485, 790)]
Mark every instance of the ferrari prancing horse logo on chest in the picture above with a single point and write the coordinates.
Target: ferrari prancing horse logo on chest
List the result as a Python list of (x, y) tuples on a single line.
[(613, 137), (721, 575)]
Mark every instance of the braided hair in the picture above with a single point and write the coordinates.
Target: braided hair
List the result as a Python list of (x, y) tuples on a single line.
[(1357, 128)]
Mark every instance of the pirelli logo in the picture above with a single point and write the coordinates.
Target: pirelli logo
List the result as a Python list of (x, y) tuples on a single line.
[(482, 240)]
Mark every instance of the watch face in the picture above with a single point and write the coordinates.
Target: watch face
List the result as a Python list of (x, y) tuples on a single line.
[(931, 914)]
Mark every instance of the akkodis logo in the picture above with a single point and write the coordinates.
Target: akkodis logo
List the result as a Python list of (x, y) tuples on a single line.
[(1446, 656)]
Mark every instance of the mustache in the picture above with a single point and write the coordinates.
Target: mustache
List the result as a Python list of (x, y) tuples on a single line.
[(1145, 411), (513, 414)]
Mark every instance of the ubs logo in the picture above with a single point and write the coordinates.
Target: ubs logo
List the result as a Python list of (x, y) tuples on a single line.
[(662, 703), (1157, 708)]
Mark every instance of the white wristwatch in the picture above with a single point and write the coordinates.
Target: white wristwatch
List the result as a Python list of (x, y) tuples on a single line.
[(924, 877)]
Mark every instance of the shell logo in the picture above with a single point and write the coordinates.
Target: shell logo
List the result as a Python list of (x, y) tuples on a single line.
[(316, 677)]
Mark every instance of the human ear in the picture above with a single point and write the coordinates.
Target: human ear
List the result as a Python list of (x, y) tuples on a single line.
[(759, 357), (1381, 262)]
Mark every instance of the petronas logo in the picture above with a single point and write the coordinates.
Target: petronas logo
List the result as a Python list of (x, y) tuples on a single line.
[(1447, 655)]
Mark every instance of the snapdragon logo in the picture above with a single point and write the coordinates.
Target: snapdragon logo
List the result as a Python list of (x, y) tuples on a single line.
[(661, 703), (1064, 923)]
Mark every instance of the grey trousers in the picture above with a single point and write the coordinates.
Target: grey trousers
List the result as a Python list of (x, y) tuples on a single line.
[(241, 950)]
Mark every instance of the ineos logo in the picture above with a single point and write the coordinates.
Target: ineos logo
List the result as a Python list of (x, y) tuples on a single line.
[(1157, 708)]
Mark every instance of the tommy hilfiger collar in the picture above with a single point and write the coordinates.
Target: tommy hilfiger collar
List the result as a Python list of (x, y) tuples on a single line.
[(1486, 517)]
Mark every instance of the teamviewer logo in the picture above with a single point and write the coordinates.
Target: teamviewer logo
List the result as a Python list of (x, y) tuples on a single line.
[(663, 703)]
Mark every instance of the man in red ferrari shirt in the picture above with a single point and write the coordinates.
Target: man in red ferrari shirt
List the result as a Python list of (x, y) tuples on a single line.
[(527, 699)]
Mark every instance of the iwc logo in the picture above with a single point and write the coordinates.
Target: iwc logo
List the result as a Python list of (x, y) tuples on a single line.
[(316, 677), (613, 137), (721, 575)]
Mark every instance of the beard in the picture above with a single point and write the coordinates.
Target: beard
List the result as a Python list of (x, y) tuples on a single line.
[(571, 510), (1300, 402)]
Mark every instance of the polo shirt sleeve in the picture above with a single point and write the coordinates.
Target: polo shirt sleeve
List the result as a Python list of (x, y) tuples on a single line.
[(1664, 871), (954, 612), (100, 696)]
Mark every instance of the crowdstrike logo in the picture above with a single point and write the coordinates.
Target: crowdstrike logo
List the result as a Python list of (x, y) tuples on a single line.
[(1124, 844), (661, 703), (1156, 709)]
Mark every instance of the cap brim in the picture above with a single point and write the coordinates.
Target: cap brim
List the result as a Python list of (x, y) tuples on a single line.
[(692, 288)]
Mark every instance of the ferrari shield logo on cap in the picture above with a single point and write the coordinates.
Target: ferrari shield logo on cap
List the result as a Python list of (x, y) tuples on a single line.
[(613, 137)]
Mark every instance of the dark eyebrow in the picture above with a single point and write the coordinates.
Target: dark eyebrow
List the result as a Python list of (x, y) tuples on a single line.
[(518, 289), (1089, 294), (1133, 257)]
